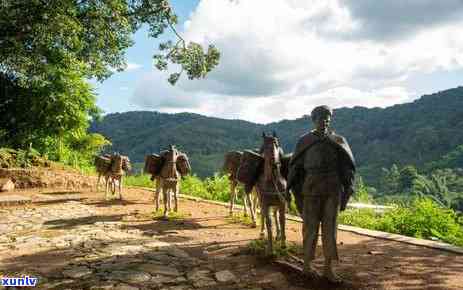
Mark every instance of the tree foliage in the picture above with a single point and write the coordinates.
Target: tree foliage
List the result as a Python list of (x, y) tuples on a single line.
[(40, 38), (49, 50)]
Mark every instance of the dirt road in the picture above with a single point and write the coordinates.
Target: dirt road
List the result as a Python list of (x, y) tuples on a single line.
[(80, 241)]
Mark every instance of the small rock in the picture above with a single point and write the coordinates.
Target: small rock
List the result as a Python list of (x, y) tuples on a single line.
[(6, 184), (225, 276), (375, 253), (138, 277), (273, 278), (200, 278)]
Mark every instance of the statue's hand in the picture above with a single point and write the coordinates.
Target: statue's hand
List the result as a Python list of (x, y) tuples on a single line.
[(288, 196)]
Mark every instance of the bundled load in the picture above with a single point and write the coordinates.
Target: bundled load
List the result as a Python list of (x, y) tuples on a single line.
[(116, 165), (153, 164), (183, 165), (285, 165), (103, 164), (250, 167), (232, 162)]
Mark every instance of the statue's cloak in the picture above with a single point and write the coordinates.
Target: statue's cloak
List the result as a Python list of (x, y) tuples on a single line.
[(296, 175)]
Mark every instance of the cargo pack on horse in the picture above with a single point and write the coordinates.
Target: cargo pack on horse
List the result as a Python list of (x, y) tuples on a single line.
[(103, 168), (112, 168), (166, 169), (271, 188), (245, 174), (119, 164)]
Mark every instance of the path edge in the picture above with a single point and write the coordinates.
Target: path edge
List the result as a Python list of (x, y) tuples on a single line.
[(360, 231)]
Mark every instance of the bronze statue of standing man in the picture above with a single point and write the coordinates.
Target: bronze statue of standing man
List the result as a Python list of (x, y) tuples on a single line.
[(321, 177)]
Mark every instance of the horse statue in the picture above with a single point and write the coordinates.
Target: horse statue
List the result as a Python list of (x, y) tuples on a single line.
[(103, 168), (119, 165), (172, 165), (112, 168), (271, 188), (231, 165)]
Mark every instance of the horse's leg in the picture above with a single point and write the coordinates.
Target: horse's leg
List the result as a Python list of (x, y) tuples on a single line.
[(262, 217), (157, 195), (268, 223), (232, 195), (176, 189), (165, 192), (282, 224), (277, 223), (98, 182), (106, 186), (256, 200), (245, 204), (120, 187), (113, 185), (169, 196), (251, 209)]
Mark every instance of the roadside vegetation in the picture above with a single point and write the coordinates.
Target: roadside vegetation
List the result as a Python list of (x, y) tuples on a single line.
[(419, 216)]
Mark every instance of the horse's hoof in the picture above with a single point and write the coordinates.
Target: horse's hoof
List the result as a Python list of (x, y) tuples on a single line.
[(254, 225)]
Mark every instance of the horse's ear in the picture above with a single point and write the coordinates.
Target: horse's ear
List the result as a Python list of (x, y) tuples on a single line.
[(274, 134), (263, 134)]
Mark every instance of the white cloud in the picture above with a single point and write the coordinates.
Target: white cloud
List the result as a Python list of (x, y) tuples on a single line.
[(280, 58), (131, 66)]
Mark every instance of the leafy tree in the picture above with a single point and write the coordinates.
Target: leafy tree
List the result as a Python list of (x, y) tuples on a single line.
[(408, 175), (40, 38), (48, 50), (55, 109), (434, 187), (361, 191), (390, 179), (453, 159)]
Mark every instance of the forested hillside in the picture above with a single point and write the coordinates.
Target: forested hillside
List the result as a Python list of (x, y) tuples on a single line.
[(416, 133)]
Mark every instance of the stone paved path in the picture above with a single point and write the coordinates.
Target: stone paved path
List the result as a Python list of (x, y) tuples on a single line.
[(81, 253), (80, 241)]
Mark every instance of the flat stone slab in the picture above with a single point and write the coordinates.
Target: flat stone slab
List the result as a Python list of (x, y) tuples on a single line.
[(225, 276), (154, 269), (12, 199)]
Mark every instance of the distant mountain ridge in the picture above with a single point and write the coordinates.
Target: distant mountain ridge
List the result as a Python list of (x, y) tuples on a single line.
[(412, 133)]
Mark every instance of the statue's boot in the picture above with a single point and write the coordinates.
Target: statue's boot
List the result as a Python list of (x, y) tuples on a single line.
[(331, 275), (310, 272)]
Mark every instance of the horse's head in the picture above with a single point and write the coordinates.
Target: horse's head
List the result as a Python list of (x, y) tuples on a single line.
[(126, 164), (272, 159)]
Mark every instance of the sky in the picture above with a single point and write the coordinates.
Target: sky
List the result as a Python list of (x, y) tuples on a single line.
[(281, 58)]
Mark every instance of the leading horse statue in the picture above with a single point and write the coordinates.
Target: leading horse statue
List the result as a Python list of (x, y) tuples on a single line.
[(271, 188)]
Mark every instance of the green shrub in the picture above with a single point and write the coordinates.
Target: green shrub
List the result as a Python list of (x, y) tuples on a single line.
[(212, 188), (138, 180), (363, 218), (423, 218)]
